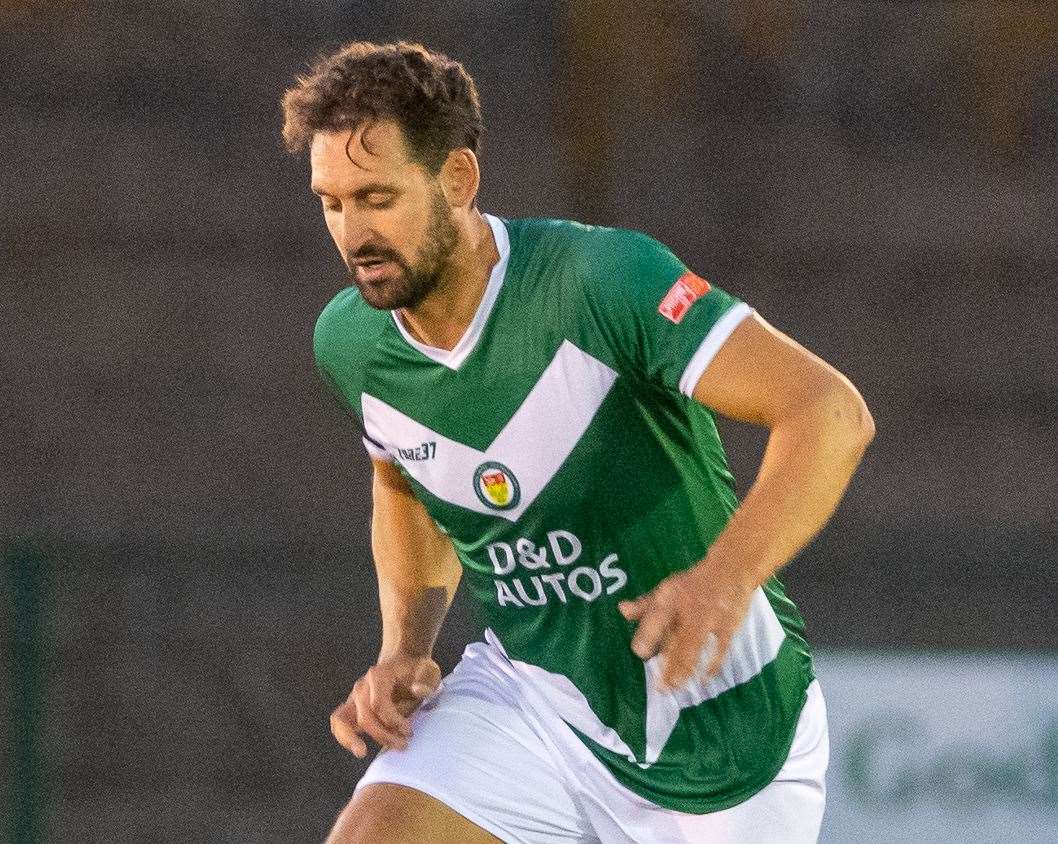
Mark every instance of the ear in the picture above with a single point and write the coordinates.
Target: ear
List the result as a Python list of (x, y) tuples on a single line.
[(460, 178)]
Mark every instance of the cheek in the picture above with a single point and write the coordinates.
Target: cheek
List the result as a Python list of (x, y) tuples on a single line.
[(404, 231), (334, 225)]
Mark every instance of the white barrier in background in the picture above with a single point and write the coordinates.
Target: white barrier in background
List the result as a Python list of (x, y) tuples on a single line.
[(941, 748)]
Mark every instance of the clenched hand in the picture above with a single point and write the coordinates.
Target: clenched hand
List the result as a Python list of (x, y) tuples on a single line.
[(686, 613), (382, 702)]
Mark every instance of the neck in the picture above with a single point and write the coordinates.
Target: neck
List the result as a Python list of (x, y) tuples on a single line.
[(443, 317)]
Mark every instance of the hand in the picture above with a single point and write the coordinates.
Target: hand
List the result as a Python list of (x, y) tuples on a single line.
[(382, 701), (683, 615)]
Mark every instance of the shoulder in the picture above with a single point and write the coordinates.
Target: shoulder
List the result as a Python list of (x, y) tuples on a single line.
[(593, 256), (576, 240), (347, 329), (623, 256)]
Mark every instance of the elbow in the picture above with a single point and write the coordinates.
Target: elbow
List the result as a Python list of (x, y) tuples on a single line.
[(851, 418), (868, 425), (835, 415)]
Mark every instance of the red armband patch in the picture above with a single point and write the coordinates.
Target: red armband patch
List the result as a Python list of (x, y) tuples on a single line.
[(687, 290)]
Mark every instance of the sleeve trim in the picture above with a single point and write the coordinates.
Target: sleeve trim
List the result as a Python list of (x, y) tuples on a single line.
[(716, 338), (376, 451)]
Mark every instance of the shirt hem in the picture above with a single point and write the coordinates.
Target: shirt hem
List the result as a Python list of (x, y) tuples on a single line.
[(694, 805)]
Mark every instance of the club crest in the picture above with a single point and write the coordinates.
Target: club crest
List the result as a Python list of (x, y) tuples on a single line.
[(496, 486)]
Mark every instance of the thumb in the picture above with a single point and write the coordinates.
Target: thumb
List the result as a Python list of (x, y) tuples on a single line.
[(425, 678), (633, 610)]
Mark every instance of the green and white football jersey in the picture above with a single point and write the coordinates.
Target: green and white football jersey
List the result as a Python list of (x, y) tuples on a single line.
[(558, 446)]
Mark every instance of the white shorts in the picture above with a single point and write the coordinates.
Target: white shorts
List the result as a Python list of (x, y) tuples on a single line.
[(481, 747)]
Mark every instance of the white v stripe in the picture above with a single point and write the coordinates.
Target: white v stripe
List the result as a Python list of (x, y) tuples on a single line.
[(533, 444), (755, 644)]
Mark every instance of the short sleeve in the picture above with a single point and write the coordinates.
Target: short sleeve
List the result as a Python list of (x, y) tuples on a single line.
[(339, 362), (661, 321)]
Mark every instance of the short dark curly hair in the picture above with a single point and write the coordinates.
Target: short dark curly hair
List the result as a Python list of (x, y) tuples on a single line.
[(429, 95)]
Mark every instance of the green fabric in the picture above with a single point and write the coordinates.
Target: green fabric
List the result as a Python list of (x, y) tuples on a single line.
[(642, 493)]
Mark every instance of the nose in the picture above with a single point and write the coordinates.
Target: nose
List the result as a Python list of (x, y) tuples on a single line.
[(353, 232)]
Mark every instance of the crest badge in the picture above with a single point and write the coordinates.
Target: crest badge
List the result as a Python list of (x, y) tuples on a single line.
[(496, 486)]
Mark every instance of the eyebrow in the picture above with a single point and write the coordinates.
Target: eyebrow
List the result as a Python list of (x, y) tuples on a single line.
[(371, 187)]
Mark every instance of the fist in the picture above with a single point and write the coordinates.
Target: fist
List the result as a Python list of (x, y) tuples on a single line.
[(382, 702)]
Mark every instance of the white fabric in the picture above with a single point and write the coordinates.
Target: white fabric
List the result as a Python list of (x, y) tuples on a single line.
[(754, 645), (471, 749), (534, 444), (487, 750), (376, 452), (454, 358), (716, 338)]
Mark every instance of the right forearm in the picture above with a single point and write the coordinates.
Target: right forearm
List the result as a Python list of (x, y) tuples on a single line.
[(418, 574), (418, 571), (411, 618)]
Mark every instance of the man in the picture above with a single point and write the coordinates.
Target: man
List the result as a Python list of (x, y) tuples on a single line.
[(537, 397)]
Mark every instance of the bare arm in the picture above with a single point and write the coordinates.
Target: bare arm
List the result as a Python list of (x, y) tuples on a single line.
[(417, 568), (418, 573), (819, 429)]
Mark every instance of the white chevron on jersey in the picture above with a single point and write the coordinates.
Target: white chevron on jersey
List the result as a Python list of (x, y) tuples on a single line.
[(533, 444), (754, 645)]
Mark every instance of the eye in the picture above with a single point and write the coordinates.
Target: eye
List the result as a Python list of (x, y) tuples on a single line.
[(330, 203), (379, 199)]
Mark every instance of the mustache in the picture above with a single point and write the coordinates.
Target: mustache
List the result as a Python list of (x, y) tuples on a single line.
[(376, 253)]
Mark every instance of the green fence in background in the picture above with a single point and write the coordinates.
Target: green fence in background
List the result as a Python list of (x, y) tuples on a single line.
[(26, 572)]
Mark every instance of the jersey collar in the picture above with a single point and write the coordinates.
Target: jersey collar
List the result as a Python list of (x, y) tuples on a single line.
[(454, 358)]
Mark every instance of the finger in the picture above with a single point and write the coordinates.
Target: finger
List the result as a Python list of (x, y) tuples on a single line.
[(381, 704), (383, 735), (343, 728), (679, 655), (652, 630), (719, 643), (633, 610), (426, 679)]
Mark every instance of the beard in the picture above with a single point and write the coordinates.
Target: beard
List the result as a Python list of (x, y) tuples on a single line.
[(412, 282)]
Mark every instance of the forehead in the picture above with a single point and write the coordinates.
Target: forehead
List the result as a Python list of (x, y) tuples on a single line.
[(340, 160)]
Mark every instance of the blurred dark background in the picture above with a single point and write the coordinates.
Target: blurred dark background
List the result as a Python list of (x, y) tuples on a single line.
[(188, 588)]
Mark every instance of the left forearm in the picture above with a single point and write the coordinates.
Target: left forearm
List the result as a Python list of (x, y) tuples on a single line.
[(808, 462)]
